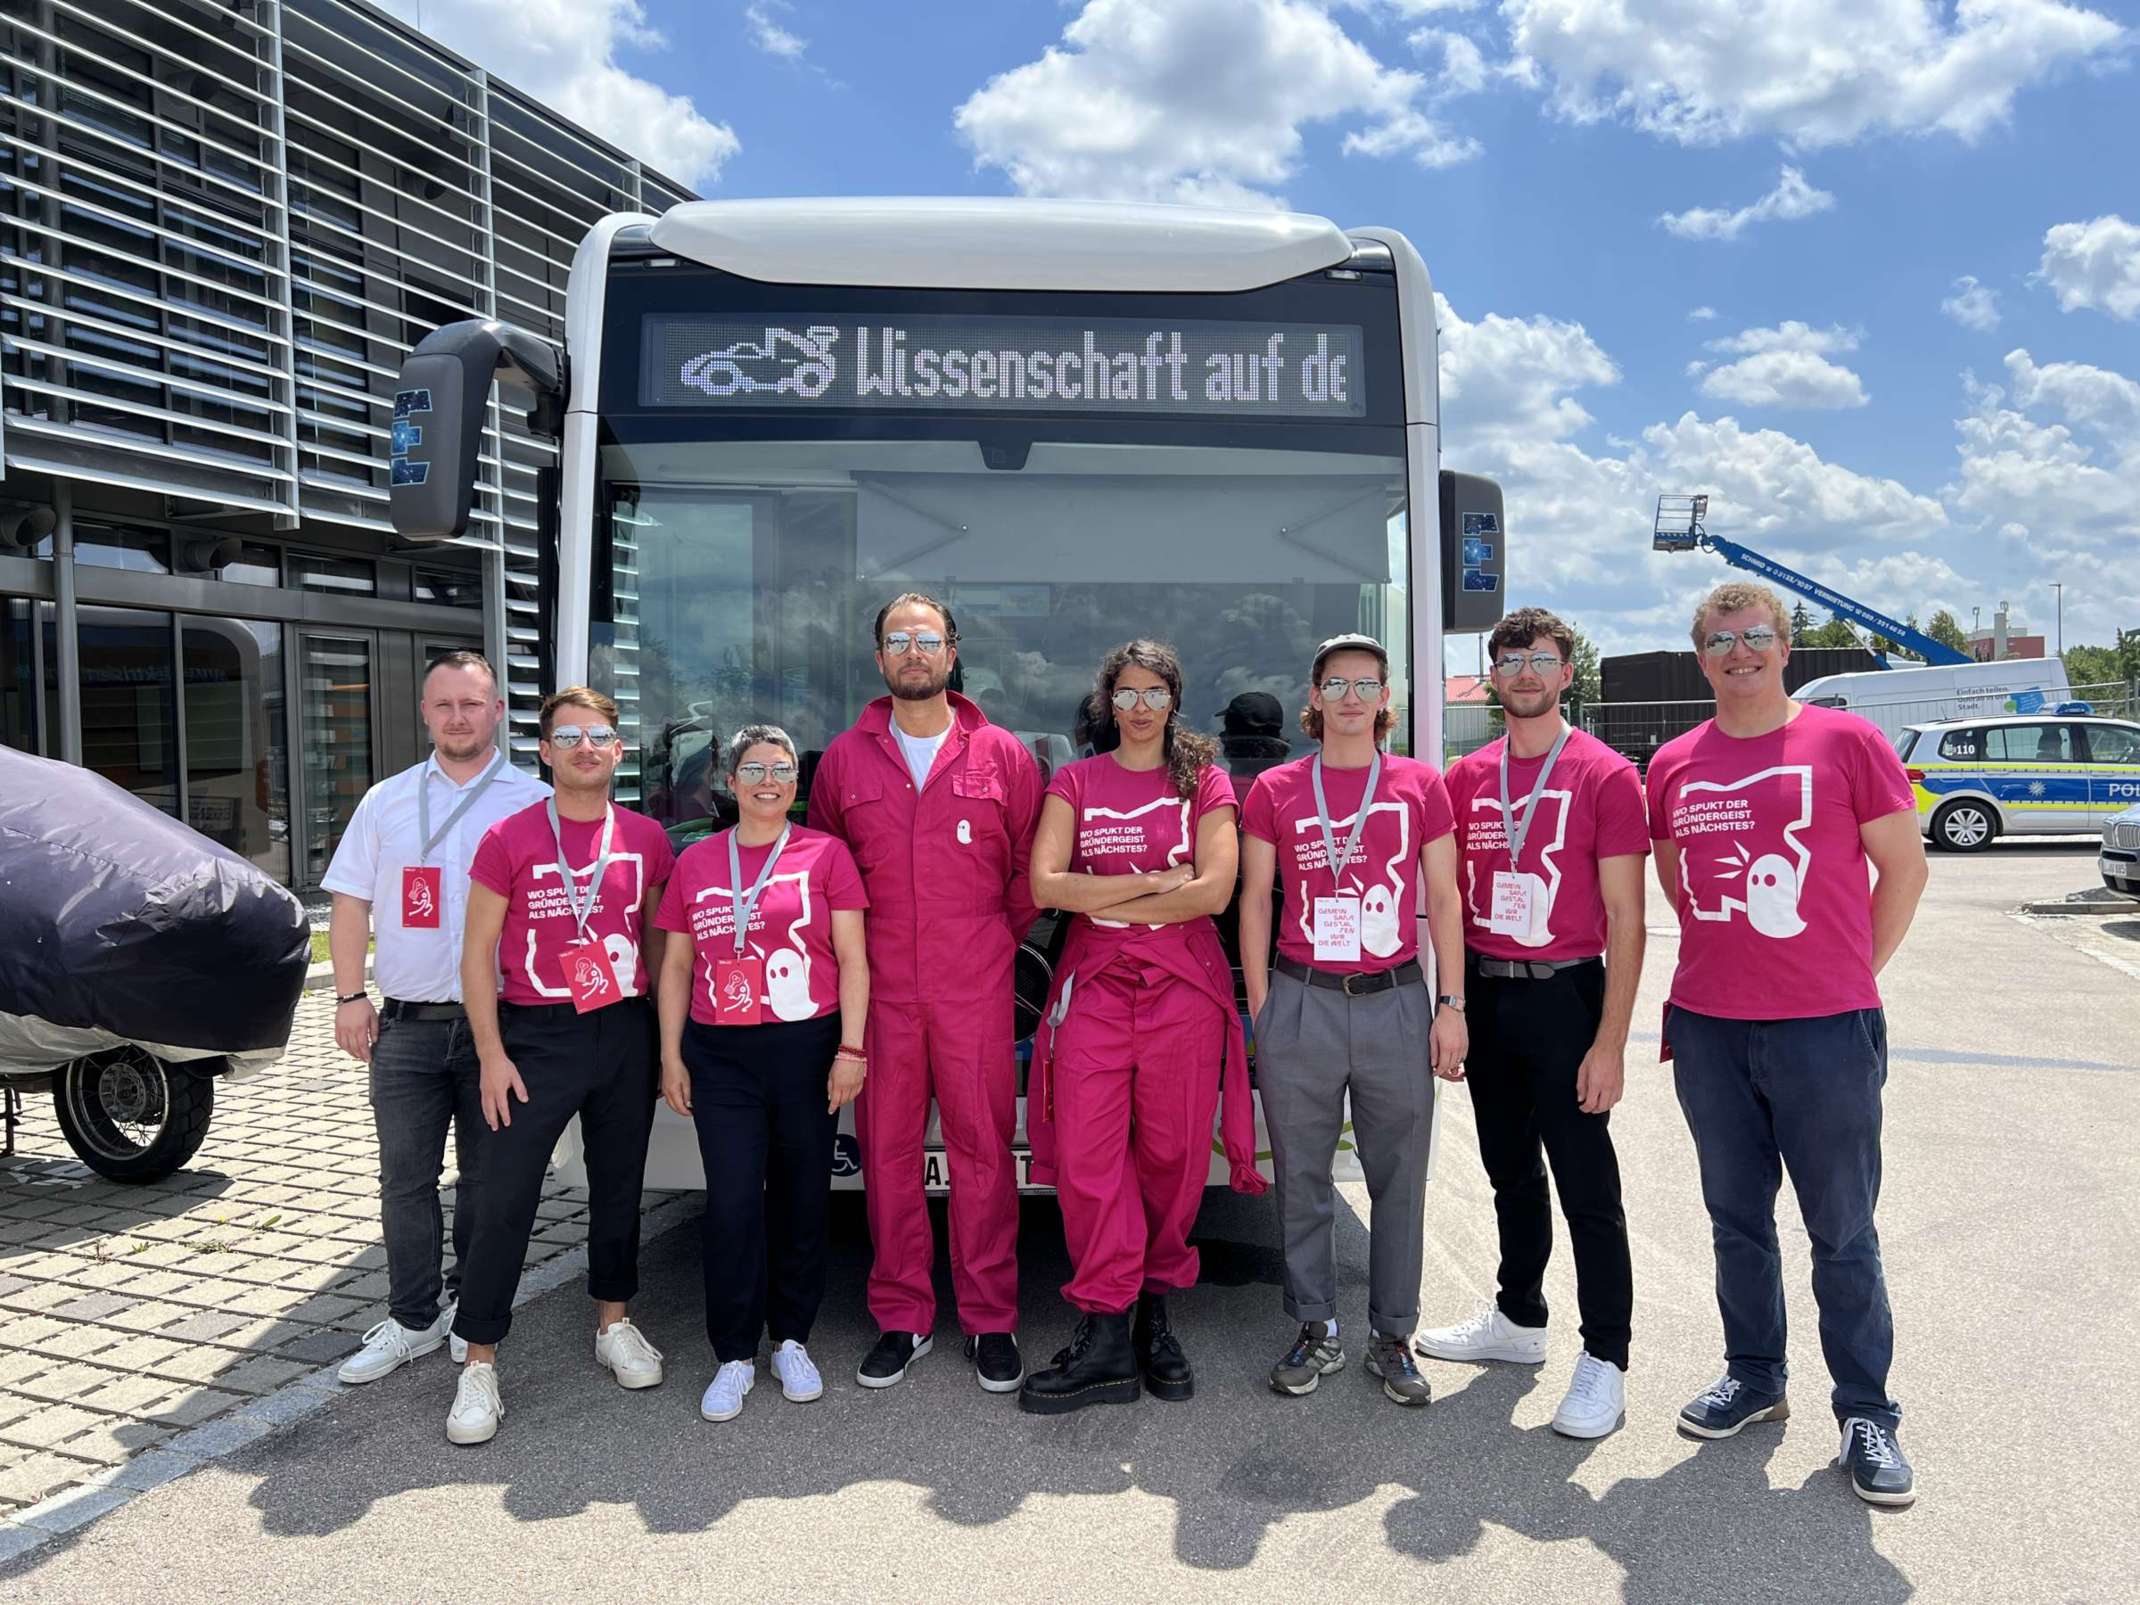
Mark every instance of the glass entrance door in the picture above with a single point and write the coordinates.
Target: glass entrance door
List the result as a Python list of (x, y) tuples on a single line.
[(338, 724)]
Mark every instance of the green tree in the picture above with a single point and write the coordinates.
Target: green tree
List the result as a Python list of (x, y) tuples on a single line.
[(1881, 643), (1947, 630), (1836, 632), (1801, 622), (2092, 665), (1589, 683)]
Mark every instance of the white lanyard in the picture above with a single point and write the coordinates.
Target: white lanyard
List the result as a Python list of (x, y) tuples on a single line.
[(746, 903), (425, 837), (582, 909), (1517, 833), (1359, 820)]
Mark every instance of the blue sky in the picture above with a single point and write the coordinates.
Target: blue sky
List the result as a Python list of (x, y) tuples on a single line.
[(1868, 271)]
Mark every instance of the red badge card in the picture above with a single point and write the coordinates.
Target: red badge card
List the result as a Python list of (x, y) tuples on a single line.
[(422, 891), (592, 981), (737, 984)]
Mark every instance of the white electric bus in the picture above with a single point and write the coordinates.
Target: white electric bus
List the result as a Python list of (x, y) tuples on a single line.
[(1073, 422)]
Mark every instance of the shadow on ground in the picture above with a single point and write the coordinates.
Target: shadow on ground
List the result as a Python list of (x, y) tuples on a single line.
[(1235, 1461)]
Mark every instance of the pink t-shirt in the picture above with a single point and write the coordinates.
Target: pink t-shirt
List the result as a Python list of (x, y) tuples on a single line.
[(517, 859), (790, 929), (1410, 809), (1132, 821), (1591, 809), (1775, 894)]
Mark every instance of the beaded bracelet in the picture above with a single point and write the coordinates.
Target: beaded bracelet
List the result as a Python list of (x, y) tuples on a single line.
[(856, 1054)]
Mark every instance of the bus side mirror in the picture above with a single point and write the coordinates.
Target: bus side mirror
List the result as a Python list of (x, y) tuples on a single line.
[(1474, 553), (440, 402)]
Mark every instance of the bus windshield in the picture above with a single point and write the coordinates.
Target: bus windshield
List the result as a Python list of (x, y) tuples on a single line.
[(745, 579)]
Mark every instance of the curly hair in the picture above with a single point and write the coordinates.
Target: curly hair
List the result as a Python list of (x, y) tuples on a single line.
[(1188, 752)]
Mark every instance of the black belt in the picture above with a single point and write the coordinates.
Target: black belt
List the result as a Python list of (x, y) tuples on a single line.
[(397, 1009), (1357, 983), (1521, 969)]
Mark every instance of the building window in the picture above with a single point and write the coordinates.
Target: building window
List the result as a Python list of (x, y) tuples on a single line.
[(237, 741), (348, 575), (449, 590), (254, 565), (29, 679), (146, 551), (130, 702), (335, 675)]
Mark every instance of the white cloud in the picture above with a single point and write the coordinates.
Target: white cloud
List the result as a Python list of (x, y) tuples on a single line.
[(1790, 335), (2095, 264), (1792, 198), (767, 34), (1508, 378), (1785, 379), (1811, 72), (1463, 66), (1138, 103), (1702, 315), (1973, 305), (563, 52)]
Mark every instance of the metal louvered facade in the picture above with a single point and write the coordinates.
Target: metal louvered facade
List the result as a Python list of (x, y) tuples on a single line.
[(223, 223)]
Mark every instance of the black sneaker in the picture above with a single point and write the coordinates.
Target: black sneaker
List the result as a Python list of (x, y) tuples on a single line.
[(1729, 1405), (1390, 1358), (1879, 1472), (887, 1363), (996, 1361)]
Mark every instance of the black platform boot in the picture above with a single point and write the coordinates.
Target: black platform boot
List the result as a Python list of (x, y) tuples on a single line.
[(1097, 1368), (1160, 1361)]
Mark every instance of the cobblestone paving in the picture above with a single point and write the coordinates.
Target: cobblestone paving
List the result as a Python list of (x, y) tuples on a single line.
[(131, 1318)]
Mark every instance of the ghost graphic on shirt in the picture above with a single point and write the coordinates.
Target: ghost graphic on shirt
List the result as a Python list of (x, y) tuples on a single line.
[(1378, 921), (1542, 889), (1772, 896), (1379, 930), (623, 960), (787, 984)]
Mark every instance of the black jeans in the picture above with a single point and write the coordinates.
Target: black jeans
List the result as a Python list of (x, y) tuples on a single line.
[(758, 1100), (1528, 1038), (423, 1079), (1762, 1097), (602, 1068)]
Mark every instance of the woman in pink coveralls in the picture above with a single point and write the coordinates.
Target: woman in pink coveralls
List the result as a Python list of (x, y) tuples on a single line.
[(1138, 845)]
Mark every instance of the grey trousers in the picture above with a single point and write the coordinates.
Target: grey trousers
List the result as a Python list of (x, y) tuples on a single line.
[(1314, 1046)]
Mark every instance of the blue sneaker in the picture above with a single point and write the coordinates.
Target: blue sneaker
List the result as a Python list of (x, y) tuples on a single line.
[(1727, 1406), (1879, 1472)]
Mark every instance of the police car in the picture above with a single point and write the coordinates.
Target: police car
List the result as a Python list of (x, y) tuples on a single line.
[(2020, 774)]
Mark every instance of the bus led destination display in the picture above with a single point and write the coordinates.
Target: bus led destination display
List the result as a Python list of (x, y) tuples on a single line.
[(1189, 368)]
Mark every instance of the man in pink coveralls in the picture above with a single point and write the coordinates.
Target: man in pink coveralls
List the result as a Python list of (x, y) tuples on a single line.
[(938, 807)]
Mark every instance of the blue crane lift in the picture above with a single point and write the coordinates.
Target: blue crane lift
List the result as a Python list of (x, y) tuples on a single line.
[(1679, 529)]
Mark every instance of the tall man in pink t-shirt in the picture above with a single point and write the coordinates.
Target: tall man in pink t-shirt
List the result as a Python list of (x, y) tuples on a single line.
[(556, 970), (1765, 820), (1550, 829)]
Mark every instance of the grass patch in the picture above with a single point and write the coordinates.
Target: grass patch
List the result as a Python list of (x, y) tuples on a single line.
[(319, 947)]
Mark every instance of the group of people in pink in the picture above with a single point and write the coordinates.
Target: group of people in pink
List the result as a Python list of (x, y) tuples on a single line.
[(545, 956)]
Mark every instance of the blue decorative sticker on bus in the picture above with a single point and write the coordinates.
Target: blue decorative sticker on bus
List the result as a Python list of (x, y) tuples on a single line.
[(409, 402), (408, 473), (998, 364), (405, 437), (1479, 580), (1477, 553), (1481, 524)]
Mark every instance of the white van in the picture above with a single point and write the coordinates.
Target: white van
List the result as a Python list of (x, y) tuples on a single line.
[(1895, 699)]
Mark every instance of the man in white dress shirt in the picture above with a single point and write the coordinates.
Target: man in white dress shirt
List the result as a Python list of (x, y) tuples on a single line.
[(400, 881)]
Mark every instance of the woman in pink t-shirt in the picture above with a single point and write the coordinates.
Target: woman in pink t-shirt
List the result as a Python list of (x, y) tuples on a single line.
[(761, 1009), (1137, 844)]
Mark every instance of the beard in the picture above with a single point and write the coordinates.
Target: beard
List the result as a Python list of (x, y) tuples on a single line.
[(1529, 705), (918, 688), (460, 748)]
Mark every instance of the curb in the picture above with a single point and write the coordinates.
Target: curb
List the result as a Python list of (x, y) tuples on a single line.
[(320, 977), (38, 1525), (2085, 906)]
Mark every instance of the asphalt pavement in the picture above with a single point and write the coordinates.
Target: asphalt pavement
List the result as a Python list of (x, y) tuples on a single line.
[(2009, 1227)]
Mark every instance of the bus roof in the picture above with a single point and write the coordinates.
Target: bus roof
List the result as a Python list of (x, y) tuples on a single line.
[(999, 243)]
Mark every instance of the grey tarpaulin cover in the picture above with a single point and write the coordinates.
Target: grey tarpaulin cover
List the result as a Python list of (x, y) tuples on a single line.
[(118, 917)]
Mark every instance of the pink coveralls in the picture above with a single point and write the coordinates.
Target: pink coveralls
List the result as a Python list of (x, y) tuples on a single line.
[(1120, 1113), (945, 869)]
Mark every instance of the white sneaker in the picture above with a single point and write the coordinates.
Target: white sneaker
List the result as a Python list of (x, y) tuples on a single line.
[(456, 1345), (799, 1381), (1488, 1335), (1596, 1400), (477, 1409), (723, 1399), (388, 1347), (635, 1362)]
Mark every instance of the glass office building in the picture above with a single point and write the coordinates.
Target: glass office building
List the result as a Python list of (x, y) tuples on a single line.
[(222, 225)]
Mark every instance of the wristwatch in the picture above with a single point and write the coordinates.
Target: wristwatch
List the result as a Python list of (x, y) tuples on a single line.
[(1450, 1000)]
